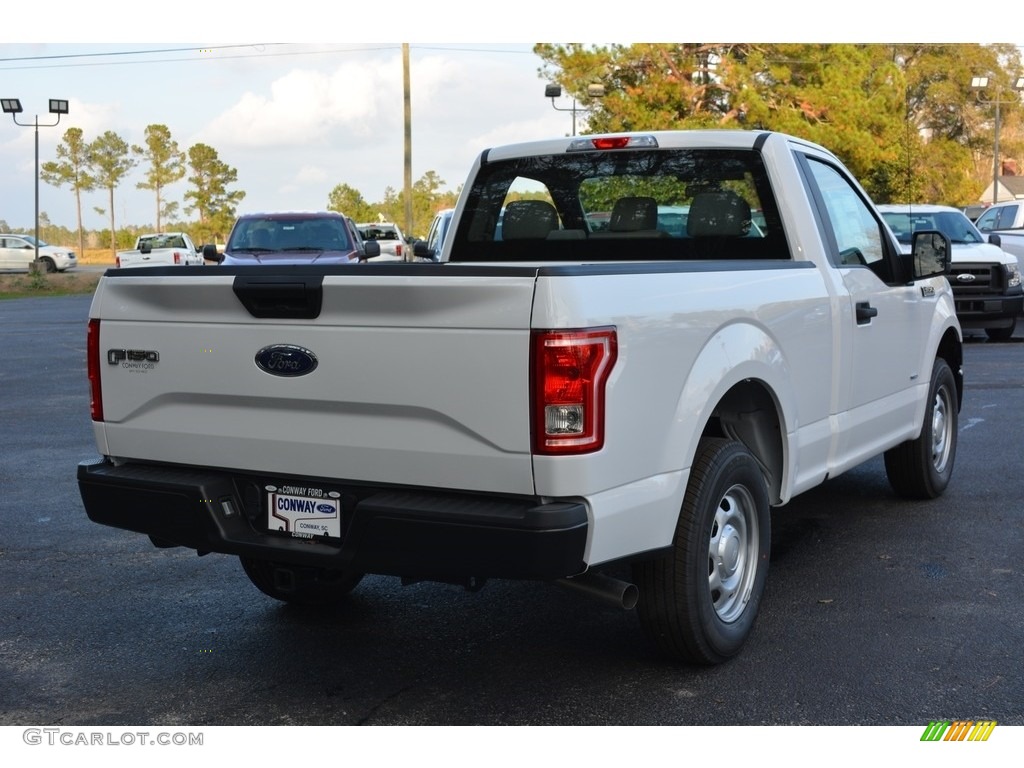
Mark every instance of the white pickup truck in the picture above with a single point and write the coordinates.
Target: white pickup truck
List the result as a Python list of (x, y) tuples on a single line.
[(1006, 221), (986, 279), (163, 249), (615, 410)]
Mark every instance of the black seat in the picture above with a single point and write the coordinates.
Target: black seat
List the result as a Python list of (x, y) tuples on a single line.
[(633, 217), (718, 214), (528, 219)]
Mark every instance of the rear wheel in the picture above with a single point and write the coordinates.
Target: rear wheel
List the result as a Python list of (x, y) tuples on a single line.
[(300, 585), (921, 468), (698, 604)]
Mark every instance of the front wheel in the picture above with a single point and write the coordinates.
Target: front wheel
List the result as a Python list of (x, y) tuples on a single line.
[(698, 604), (1000, 334), (921, 468), (300, 585)]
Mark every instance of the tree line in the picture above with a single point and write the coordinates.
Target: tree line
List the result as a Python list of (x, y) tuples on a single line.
[(103, 164), (903, 117)]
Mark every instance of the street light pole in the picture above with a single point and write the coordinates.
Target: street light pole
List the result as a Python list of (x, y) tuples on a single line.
[(13, 108), (980, 83), (554, 90)]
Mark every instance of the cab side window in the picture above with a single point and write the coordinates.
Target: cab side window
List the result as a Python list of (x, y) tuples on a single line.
[(997, 218), (987, 221), (434, 236), (857, 235)]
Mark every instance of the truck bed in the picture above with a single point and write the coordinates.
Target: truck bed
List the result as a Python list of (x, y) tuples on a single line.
[(448, 405)]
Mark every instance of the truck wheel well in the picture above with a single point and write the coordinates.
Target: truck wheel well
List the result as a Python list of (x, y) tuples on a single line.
[(951, 350), (749, 413)]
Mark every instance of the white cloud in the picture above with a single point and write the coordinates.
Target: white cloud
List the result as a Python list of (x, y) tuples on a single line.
[(307, 106)]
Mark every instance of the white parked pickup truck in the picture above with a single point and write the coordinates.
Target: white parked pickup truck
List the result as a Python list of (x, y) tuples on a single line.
[(986, 279), (615, 411), (162, 249), (388, 236), (1006, 221)]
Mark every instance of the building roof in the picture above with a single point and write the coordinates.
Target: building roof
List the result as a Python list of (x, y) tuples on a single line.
[(1010, 187)]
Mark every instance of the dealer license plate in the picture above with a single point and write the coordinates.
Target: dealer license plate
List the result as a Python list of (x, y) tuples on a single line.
[(303, 511)]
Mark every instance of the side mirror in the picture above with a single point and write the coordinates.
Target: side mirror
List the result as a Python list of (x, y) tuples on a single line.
[(371, 249), (210, 253), (931, 252), (995, 239), (421, 251)]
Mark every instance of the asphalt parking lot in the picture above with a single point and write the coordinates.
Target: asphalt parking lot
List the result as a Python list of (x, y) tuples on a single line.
[(877, 611)]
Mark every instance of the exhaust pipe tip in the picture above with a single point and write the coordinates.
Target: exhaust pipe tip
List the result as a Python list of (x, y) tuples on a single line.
[(615, 592)]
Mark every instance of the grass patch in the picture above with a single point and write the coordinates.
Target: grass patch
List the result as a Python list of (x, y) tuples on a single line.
[(22, 285)]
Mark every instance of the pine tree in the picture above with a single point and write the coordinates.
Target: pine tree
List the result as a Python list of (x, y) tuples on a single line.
[(72, 169), (110, 161), (166, 166)]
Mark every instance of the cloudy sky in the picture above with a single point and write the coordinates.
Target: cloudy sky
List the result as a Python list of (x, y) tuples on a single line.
[(297, 119)]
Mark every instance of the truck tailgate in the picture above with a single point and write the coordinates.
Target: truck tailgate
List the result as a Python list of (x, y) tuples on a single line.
[(419, 380)]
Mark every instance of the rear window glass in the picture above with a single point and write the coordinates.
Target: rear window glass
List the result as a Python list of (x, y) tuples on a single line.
[(622, 205), (382, 232)]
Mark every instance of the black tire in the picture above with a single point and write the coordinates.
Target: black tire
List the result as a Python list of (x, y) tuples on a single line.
[(1000, 334), (47, 265), (300, 585), (921, 468), (698, 604)]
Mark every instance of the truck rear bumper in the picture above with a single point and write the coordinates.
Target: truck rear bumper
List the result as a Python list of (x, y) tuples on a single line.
[(416, 533)]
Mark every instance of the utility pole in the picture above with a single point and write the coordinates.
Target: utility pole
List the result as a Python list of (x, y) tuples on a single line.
[(407, 94)]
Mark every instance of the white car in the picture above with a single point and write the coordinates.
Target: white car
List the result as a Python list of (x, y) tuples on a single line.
[(19, 251), (392, 242)]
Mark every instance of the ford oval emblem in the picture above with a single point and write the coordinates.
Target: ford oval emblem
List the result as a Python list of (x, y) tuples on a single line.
[(965, 277), (286, 360)]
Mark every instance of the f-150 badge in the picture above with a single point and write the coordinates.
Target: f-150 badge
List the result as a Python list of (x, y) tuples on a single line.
[(134, 360), (286, 360)]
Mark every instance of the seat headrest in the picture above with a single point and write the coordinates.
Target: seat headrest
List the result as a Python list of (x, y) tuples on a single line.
[(528, 219), (718, 214), (631, 214)]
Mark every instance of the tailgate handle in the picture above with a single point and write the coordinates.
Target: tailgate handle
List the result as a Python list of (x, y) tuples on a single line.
[(281, 296)]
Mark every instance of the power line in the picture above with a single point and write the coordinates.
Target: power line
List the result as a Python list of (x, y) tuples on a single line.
[(131, 53), (261, 52)]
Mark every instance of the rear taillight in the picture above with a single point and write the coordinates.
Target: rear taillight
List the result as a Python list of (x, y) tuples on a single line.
[(177, 258), (569, 370), (398, 250), (117, 262), (92, 346)]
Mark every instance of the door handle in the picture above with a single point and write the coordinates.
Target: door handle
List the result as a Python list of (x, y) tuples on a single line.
[(865, 312)]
